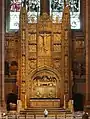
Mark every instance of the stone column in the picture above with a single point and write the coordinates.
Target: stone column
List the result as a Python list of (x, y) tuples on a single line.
[(87, 52), (44, 6), (2, 53)]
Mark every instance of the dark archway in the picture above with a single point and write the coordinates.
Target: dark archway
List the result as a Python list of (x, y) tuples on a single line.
[(13, 67), (11, 101), (6, 68), (79, 101)]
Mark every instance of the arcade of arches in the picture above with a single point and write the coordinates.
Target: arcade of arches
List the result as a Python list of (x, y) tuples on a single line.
[(55, 62)]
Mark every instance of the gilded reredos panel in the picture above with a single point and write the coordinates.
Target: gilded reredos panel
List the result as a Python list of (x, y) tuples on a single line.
[(44, 69)]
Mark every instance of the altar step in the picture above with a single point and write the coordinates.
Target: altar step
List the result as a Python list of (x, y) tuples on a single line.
[(41, 111)]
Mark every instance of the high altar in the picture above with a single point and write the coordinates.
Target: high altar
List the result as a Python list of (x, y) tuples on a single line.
[(44, 61)]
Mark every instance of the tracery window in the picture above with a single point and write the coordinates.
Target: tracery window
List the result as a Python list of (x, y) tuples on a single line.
[(15, 6), (33, 11), (56, 9)]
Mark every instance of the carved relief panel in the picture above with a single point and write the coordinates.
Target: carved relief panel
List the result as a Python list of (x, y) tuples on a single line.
[(44, 49), (44, 23), (44, 84), (31, 64), (11, 48), (32, 38), (44, 45), (79, 48), (57, 49), (44, 88), (32, 48)]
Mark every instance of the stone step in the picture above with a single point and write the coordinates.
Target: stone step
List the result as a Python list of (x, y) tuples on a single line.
[(41, 110)]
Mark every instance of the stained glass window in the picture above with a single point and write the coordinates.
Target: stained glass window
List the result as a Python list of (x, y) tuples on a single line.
[(15, 6), (56, 8), (33, 11), (75, 14)]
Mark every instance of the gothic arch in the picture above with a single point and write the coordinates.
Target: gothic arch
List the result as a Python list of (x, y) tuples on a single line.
[(44, 83), (47, 69)]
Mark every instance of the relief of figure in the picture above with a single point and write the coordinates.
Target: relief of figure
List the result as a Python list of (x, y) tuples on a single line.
[(32, 64), (51, 94), (44, 44), (38, 94)]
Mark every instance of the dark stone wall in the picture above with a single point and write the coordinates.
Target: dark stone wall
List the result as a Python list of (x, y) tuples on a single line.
[(1, 52), (87, 51)]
